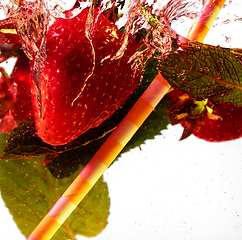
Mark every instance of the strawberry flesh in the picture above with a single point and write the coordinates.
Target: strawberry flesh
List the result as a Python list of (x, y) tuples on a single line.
[(228, 127), (21, 77), (222, 124), (71, 102)]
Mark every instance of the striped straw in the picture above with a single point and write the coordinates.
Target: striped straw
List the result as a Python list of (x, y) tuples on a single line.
[(108, 152), (101, 160), (205, 20)]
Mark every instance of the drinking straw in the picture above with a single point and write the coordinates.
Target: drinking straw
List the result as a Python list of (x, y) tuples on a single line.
[(101, 160), (109, 150), (205, 19)]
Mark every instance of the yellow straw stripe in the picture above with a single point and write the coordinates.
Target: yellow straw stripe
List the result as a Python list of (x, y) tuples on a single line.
[(197, 32), (62, 209), (124, 126), (214, 13), (75, 193), (109, 151), (205, 20), (139, 112), (8, 31), (93, 169), (46, 228), (218, 3)]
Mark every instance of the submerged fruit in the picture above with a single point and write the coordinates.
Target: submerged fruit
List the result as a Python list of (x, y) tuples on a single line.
[(15, 95), (78, 88), (227, 127), (21, 77), (207, 121)]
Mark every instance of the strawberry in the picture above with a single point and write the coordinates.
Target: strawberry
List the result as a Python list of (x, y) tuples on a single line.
[(207, 121), (227, 127), (7, 122), (21, 76), (78, 90), (15, 96)]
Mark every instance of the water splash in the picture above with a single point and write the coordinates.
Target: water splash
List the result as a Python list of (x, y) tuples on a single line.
[(160, 37), (89, 28), (66, 10), (92, 18), (30, 19)]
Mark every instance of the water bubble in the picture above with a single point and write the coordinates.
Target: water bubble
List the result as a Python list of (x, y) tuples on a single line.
[(226, 21), (227, 39)]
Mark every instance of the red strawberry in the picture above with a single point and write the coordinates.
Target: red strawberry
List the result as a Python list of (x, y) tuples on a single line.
[(227, 127), (7, 122), (6, 96), (15, 95), (21, 76), (74, 99), (210, 122)]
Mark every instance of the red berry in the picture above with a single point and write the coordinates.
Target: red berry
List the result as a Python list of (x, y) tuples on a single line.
[(7, 91), (15, 95), (207, 121), (21, 76), (228, 127), (173, 95), (73, 99)]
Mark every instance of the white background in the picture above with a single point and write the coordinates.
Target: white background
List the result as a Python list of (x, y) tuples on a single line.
[(170, 189)]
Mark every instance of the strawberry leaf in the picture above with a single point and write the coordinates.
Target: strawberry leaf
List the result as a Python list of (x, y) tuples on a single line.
[(206, 72), (29, 191)]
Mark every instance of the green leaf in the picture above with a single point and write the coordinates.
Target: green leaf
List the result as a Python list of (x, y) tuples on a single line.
[(29, 191), (206, 72)]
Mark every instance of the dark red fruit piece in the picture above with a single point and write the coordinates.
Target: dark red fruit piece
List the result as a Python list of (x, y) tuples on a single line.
[(78, 88), (228, 127), (21, 76)]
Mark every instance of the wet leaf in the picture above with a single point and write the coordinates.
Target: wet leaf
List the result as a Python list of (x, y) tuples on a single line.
[(29, 191), (206, 72)]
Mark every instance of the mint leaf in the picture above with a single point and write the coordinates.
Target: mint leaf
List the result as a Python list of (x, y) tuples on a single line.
[(29, 191), (206, 72)]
